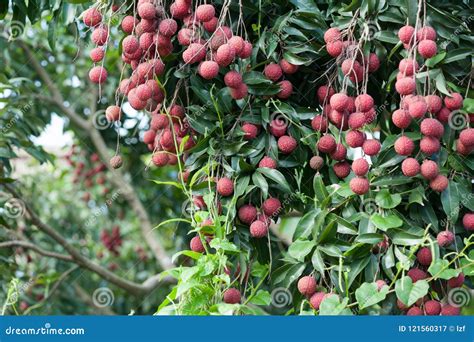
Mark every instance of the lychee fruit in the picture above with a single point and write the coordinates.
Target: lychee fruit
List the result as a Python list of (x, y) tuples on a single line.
[(342, 169), (424, 256), (208, 69), (405, 86), (408, 66), (168, 27), (287, 144), (307, 285), (316, 162), (316, 300), (196, 245), (360, 167), (273, 72), (278, 127), (319, 123), (468, 221), (356, 120), (355, 138), (416, 274), (112, 113), (240, 92), (371, 147), (466, 137), (143, 92), (247, 213), (211, 25), (237, 43), (225, 187), (426, 32), (339, 153), (97, 54), (445, 238), (98, 74), (334, 49), (359, 185), (429, 169), (92, 17), (401, 118), (326, 144), (417, 109), (286, 89), (404, 146), (331, 35), (364, 102), (324, 93), (267, 162), (414, 311), (146, 10), (432, 308), (434, 103), (287, 67), (225, 54), (130, 44), (233, 79), (194, 53), (449, 310), (250, 131), (160, 158), (232, 296), (456, 281), (116, 162), (443, 115), (429, 145), (454, 102), (405, 34), (410, 167), (258, 229), (205, 12), (271, 206), (427, 48), (432, 127), (339, 102), (128, 23), (149, 137), (439, 183), (463, 149)]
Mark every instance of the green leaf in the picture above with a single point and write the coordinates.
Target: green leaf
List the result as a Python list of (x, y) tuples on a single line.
[(368, 294), (386, 200), (276, 176), (300, 248), (261, 182), (386, 222), (370, 238), (305, 224), (450, 202), (262, 297), (224, 245), (175, 184), (409, 292), (319, 189), (439, 269), (317, 261), (172, 221), (406, 239), (333, 306)]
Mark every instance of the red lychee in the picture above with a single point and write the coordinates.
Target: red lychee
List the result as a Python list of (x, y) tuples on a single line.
[(364, 102), (405, 34), (316, 299), (319, 123), (355, 139), (426, 32), (237, 43), (225, 187), (429, 169), (286, 89), (258, 229), (401, 118), (360, 167), (331, 35), (359, 185), (130, 44), (92, 17), (427, 48), (424, 256), (100, 35), (278, 127), (149, 137), (273, 72), (208, 69), (432, 308), (416, 274), (466, 137), (250, 131), (371, 147), (410, 167), (463, 149), (439, 183), (456, 281), (98, 75), (240, 92), (97, 54), (233, 79), (342, 169), (449, 310), (143, 92), (324, 93), (432, 127), (267, 162), (307, 285), (211, 25), (146, 10), (356, 120), (196, 245), (271, 206), (417, 109), (454, 102), (405, 86), (128, 23), (404, 146), (414, 311), (287, 144), (160, 159), (429, 145), (205, 12), (374, 62), (326, 144), (168, 27), (443, 115), (434, 103), (316, 162), (408, 66), (468, 221), (287, 67), (445, 238), (112, 113), (335, 49), (339, 102), (116, 162), (194, 53), (339, 153), (247, 213), (232, 296)]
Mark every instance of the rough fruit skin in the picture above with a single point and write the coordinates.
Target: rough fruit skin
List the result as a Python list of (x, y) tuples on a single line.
[(130, 44), (196, 245), (194, 53), (208, 70), (112, 113), (326, 144), (168, 27), (355, 139), (232, 296), (335, 49), (429, 145), (98, 75), (424, 256), (97, 54), (225, 187), (250, 130), (415, 311), (432, 307), (247, 213), (146, 11), (307, 285), (144, 92), (286, 89), (434, 103), (116, 162), (316, 299), (331, 35), (160, 159), (417, 109), (416, 274), (360, 167), (287, 67), (364, 102), (445, 238), (271, 206), (439, 183), (128, 22), (240, 92), (404, 146), (316, 162), (287, 144), (427, 48), (405, 34), (278, 127), (205, 13), (339, 102), (410, 167), (407, 66), (401, 118), (342, 169), (454, 102), (374, 62), (356, 120), (237, 43), (273, 72), (432, 128), (429, 169), (233, 79), (371, 147), (449, 310), (319, 123), (467, 137), (456, 281), (149, 137), (258, 229), (325, 93), (405, 86), (468, 221), (267, 162), (359, 185), (426, 32), (225, 55), (92, 17)]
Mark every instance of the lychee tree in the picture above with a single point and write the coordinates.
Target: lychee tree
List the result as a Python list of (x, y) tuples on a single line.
[(325, 150)]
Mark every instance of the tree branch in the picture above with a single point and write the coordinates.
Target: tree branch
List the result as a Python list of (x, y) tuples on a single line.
[(28, 245), (118, 179)]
